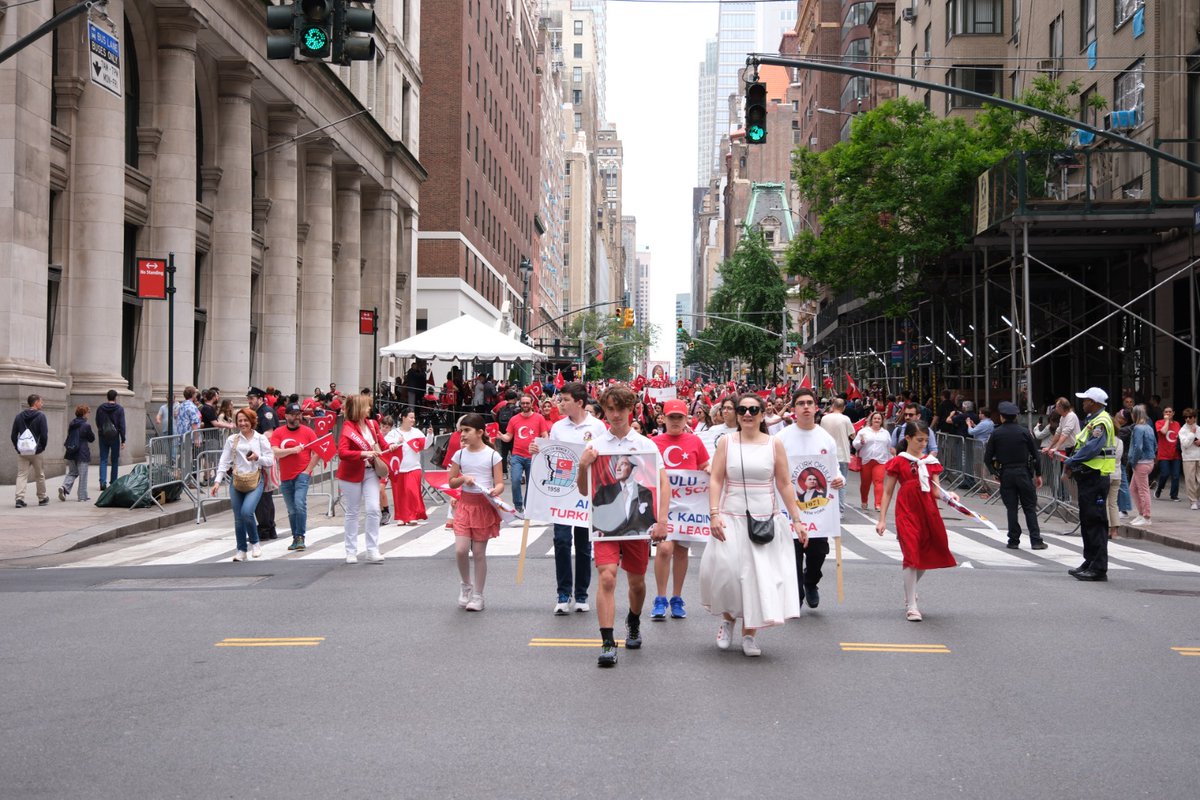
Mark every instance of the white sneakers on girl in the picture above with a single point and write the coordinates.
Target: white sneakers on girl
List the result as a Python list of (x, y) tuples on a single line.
[(913, 615), (725, 634), (464, 594), (750, 647), (255, 550), (475, 603), (1139, 520)]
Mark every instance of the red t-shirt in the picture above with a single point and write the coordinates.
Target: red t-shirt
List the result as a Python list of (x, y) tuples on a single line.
[(685, 451), (1168, 439), (524, 430), (283, 437)]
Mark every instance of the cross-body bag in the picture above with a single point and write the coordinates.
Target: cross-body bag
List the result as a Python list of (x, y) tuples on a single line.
[(762, 531), (244, 482)]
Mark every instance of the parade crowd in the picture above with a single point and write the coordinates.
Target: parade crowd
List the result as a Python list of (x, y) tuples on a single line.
[(759, 565)]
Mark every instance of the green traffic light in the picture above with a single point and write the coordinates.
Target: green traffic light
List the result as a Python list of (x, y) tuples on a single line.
[(756, 133), (315, 38)]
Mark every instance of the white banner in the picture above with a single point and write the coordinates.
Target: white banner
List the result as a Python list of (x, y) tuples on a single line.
[(662, 395), (688, 518), (812, 474), (551, 495)]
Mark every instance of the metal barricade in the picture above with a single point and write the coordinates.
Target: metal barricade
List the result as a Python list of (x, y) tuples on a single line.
[(162, 465)]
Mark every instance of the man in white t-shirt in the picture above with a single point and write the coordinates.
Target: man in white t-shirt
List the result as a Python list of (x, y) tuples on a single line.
[(631, 555), (839, 426), (578, 427), (806, 437)]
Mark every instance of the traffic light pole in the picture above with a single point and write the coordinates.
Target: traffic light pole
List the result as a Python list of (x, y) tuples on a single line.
[(49, 25)]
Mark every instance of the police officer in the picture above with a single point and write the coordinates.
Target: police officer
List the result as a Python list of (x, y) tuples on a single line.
[(1011, 455), (1091, 465)]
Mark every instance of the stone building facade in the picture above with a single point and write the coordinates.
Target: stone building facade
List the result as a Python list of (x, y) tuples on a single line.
[(287, 193)]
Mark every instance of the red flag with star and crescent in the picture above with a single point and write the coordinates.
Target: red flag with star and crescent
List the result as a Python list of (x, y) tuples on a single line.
[(827, 383), (559, 381), (852, 391)]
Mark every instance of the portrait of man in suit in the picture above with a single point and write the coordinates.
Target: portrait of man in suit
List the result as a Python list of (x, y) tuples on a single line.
[(622, 508)]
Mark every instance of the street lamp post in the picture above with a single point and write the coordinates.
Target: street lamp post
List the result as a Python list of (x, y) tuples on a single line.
[(526, 269)]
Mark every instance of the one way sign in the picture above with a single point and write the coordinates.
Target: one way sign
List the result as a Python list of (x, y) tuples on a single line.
[(105, 57)]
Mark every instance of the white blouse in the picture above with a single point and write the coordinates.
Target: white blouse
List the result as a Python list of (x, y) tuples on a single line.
[(873, 445), (237, 447)]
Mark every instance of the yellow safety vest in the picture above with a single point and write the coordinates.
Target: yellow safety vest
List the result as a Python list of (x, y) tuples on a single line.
[(1106, 462)]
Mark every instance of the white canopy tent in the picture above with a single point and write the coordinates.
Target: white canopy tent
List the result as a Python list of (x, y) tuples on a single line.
[(462, 339)]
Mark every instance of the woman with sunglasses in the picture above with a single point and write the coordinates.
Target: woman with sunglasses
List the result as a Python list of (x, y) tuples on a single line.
[(738, 578)]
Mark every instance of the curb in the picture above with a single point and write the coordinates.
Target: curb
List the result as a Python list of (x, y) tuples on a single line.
[(1130, 532)]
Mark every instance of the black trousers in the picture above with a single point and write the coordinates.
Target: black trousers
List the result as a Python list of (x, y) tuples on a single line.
[(1093, 518), (264, 515), (1016, 487), (809, 561)]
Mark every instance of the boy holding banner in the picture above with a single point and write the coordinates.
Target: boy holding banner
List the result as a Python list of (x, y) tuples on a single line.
[(631, 555), (681, 450)]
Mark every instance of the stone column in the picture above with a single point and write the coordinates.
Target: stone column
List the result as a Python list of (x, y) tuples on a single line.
[(173, 192), (228, 349), (91, 308), (277, 334), (380, 228), (347, 282), (316, 277)]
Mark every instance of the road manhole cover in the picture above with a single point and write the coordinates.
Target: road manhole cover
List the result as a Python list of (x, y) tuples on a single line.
[(182, 583), (1172, 592)]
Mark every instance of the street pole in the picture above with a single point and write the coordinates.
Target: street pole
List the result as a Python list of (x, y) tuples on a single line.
[(375, 353), (171, 344)]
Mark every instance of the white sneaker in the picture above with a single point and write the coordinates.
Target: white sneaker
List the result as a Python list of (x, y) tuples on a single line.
[(725, 634), (913, 615), (475, 603), (582, 608), (351, 558), (240, 555), (1195, 506), (750, 647), (1138, 520), (374, 557), (560, 609), (464, 594), (255, 550)]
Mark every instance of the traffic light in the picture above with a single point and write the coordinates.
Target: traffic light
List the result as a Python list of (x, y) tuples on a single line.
[(756, 113), (282, 17), (627, 321), (618, 315), (346, 22), (314, 30), (679, 326)]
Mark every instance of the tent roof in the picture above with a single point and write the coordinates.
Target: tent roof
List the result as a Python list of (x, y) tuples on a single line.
[(462, 338)]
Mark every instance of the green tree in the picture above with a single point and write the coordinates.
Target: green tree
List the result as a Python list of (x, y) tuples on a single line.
[(752, 291), (622, 347), (704, 352)]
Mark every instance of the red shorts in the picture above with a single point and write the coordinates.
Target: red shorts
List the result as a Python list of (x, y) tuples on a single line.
[(476, 518), (632, 554)]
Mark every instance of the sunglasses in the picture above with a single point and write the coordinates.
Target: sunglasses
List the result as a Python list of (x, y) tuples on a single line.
[(753, 411)]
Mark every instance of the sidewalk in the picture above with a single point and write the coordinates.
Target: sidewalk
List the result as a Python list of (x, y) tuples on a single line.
[(68, 525)]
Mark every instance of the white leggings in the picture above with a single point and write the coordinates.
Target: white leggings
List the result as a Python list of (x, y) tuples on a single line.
[(911, 576), (353, 495)]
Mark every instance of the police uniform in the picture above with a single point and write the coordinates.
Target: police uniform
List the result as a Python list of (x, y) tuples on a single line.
[(264, 512), (1011, 455), (1091, 464)]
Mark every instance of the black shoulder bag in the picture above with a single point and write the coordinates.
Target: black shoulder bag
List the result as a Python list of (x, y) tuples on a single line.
[(762, 531)]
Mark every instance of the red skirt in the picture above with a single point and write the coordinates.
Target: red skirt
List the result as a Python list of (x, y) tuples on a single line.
[(406, 497), (476, 518)]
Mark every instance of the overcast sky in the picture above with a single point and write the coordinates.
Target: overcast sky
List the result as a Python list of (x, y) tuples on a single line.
[(654, 53)]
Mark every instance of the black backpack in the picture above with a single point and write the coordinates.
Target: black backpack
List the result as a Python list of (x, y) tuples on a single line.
[(72, 444), (108, 431), (505, 414)]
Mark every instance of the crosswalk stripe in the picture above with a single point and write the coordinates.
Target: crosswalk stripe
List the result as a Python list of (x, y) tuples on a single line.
[(886, 544), (1142, 558), (134, 552), (428, 544), (508, 543), (336, 549), (966, 548), (1053, 552)]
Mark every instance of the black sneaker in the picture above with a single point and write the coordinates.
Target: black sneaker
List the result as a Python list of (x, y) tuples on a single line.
[(812, 596), (608, 655), (385, 516), (20, 503), (633, 632), (45, 501), (1038, 545), (1013, 545)]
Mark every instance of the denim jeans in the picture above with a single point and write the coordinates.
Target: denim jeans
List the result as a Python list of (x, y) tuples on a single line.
[(1124, 501), (562, 563), (518, 469), (244, 503), (295, 497), (1172, 470), (110, 453)]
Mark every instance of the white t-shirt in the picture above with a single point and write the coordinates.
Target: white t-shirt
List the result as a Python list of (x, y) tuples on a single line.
[(873, 445), (1068, 426), (841, 429), (796, 439), (479, 466), (410, 457), (587, 430)]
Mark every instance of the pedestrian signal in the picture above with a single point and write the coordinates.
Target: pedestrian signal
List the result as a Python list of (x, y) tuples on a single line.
[(756, 113), (315, 32)]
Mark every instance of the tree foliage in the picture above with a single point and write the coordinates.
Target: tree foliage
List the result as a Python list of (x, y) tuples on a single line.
[(752, 291), (623, 348)]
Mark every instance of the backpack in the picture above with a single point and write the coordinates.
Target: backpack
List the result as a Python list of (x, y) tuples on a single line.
[(72, 445), (505, 414), (27, 443), (108, 431)]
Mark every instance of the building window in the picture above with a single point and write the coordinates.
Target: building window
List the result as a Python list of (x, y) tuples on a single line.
[(578, 122), (1123, 10), (1016, 20), (577, 96), (133, 99), (579, 27), (1129, 91), (974, 17), (913, 60), (577, 50), (1056, 43), (984, 80), (858, 14), (1087, 23), (577, 74), (131, 306), (857, 51)]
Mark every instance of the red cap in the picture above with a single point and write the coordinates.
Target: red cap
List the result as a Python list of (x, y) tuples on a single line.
[(675, 407)]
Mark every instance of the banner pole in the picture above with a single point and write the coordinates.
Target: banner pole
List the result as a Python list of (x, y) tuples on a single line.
[(521, 558), (841, 589)]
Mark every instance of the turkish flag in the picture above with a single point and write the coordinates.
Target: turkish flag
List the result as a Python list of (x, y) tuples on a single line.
[(441, 482), (325, 447), (322, 425), (806, 383), (827, 383), (639, 382), (852, 391), (534, 389), (559, 381), (493, 429), (417, 444)]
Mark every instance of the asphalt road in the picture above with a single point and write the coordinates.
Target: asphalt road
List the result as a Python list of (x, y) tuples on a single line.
[(115, 686)]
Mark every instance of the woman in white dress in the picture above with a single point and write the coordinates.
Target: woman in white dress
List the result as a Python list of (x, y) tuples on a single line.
[(738, 578)]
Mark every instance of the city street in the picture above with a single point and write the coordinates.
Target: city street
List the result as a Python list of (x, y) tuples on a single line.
[(124, 676)]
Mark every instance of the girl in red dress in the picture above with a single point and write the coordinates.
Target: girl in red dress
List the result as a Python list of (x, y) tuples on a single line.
[(919, 524)]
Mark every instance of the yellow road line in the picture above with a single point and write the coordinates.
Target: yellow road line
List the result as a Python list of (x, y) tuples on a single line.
[(270, 641), (554, 642), (893, 650), (1187, 651), (266, 644), (886, 644)]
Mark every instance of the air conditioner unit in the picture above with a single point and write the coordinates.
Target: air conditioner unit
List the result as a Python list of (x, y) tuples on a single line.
[(1047, 65), (908, 14), (1082, 138), (1121, 120)]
